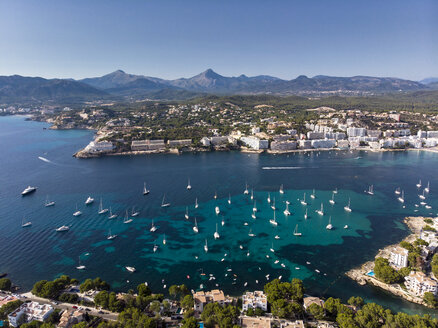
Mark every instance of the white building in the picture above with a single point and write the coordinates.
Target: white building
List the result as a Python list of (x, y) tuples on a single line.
[(217, 141), (253, 300), (28, 312), (138, 145), (205, 142), (99, 146), (315, 135), (179, 143), (202, 298), (283, 145), (432, 134), (324, 143), (399, 257), (255, 130), (255, 143), (356, 132), (418, 283)]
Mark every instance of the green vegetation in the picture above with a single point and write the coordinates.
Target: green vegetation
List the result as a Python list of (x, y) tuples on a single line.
[(430, 299), (5, 284), (276, 290), (316, 311), (8, 308), (95, 284), (429, 228), (224, 317), (178, 291), (434, 265), (385, 272), (51, 289)]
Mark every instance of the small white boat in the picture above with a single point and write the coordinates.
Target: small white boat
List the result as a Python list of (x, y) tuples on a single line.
[(313, 196), (273, 221), (422, 196), (286, 211), (153, 227), (427, 189), (189, 186), (127, 220), (346, 226), (283, 265), (134, 213), (287, 202), (89, 200), (305, 215), (329, 226), (229, 198), (254, 208), (272, 248), (277, 237), (111, 215), (397, 191), (269, 198), (252, 194), (223, 222), (25, 223), (187, 213), (276, 261), (110, 235), (145, 190), (63, 228), (370, 190), (245, 223), (164, 239), (163, 203), (321, 210), (422, 203), (273, 205), (335, 191), (347, 207), (253, 215), (196, 203), (206, 246), (246, 191), (428, 207), (101, 209), (217, 210), (80, 266), (281, 191), (401, 199), (251, 234), (419, 184), (155, 248), (296, 233), (241, 246), (216, 234), (77, 212), (195, 227), (303, 201), (332, 201), (215, 195), (49, 203), (28, 190), (130, 269)]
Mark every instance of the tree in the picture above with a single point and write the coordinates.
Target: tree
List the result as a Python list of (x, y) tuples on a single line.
[(385, 272), (316, 311), (102, 299), (143, 290), (189, 323), (8, 308), (187, 302), (430, 299), (371, 315), (356, 301), (5, 284), (346, 321), (155, 307)]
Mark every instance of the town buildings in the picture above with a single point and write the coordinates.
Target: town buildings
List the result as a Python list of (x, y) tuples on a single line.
[(202, 298), (418, 283), (253, 300), (28, 312), (399, 257)]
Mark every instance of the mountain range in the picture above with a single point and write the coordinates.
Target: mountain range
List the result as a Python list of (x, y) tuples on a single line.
[(119, 85)]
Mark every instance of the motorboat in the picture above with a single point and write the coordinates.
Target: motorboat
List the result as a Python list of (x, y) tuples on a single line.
[(89, 200), (28, 190)]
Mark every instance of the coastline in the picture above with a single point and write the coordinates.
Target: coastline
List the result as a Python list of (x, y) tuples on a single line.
[(360, 274)]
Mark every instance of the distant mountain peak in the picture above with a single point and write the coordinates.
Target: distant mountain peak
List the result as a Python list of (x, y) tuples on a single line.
[(210, 74)]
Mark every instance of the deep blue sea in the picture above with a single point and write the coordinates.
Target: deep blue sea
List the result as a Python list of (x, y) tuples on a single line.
[(235, 262)]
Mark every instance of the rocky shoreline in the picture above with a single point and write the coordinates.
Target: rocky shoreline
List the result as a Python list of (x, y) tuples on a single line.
[(360, 274)]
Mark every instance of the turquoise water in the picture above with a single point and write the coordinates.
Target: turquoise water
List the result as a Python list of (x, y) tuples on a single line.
[(319, 256)]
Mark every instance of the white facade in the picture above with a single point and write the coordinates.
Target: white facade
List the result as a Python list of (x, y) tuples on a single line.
[(324, 143), (28, 312), (99, 146), (255, 143), (418, 283), (256, 299), (205, 142), (399, 257), (283, 145), (356, 132), (315, 135)]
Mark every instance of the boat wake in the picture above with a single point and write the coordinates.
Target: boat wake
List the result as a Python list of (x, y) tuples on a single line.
[(45, 160), (281, 167)]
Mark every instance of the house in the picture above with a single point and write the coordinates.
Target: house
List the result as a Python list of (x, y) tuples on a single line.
[(142, 145), (205, 142), (28, 312), (418, 283), (309, 300), (99, 146), (179, 143), (256, 299), (255, 143), (70, 318), (6, 299), (399, 257), (202, 298), (255, 322)]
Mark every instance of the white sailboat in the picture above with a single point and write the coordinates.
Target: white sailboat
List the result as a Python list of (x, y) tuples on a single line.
[(110, 235), (145, 190), (422, 196), (253, 215), (347, 207), (273, 221), (281, 191), (321, 210), (187, 213), (25, 223), (134, 213), (101, 209), (216, 234), (286, 211), (305, 215), (401, 199), (273, 204), (195, 227), (296, 233), (77, 212), (313, 194), (111, 215), (269, 197), (332, 201), (329, 226), (427, 189), (217, 210), (80, 266), (163, 203), (246, 191), (419, 184), (155, 248), (251, 234), (153, 227), (272, 248), (196, 203), (206, 246), (164, 239), (252, 194), (303, 201), (370, 190), (127, 219), (254, 208), (130, 269), (189, 186), (223, 222), (89, 200), (62, 228), (346, 226), (335, 191), (397, 191), (48, 203), (215, 195), (229, 199)]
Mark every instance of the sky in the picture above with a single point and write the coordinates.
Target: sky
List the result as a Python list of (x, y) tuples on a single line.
[(180, 38)]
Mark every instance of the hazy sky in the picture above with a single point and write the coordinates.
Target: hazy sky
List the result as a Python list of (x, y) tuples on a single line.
[(170, 39)]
